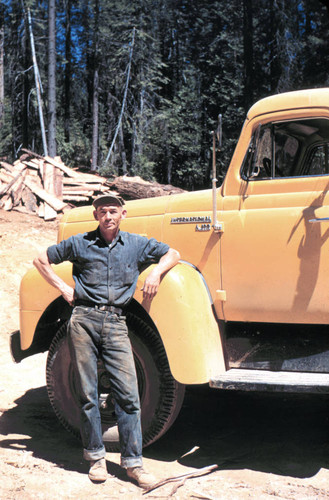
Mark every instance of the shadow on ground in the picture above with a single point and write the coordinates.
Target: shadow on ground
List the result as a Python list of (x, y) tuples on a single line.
[(36, 429), (274, 433), (268, 432)]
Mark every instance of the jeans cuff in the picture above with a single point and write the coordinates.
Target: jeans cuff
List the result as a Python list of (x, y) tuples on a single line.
[(127, 462), (94, 454)]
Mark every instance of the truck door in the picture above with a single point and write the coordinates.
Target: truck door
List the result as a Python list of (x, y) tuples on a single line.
[(275, 244)]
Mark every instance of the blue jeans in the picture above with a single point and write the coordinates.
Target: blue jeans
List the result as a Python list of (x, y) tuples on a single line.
[(95, 334)]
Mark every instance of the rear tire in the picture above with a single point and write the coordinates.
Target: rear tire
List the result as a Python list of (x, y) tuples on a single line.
[(161, 396)]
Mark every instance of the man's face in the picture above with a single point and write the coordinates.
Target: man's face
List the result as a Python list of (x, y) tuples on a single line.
[(109, 217)]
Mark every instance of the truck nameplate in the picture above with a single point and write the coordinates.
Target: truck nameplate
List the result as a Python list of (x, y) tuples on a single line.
[(203, 227), (190, 220)]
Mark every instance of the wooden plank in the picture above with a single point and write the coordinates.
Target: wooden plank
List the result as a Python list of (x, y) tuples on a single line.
[(58, 181), (67, 170), (76, 198), (22, 209), (6, 177), (18, 166), (89, 178), (77, 190), (11, 183), (36, 161), (41, 210), (32, 164), (7, 202), (17, 193), (7, 166), (71, 172), (29, 200), (81, 183), (47, 174), (56, 204)]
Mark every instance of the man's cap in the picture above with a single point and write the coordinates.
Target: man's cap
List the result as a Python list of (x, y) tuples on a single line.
[(108, 199)]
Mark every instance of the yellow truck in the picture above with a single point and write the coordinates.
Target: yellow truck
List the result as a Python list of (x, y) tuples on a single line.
[(247, 307)]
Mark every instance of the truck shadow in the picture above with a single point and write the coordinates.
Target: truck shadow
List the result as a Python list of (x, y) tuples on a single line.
[(285, 434), (273, 433)]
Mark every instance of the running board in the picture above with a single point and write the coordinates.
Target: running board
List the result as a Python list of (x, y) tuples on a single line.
[(263, 380)]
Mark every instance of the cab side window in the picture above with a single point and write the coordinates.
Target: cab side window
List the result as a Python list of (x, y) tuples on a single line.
[(318, 161), (288, 149)]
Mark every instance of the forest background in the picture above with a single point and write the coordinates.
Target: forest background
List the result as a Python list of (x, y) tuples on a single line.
[(135, 87)]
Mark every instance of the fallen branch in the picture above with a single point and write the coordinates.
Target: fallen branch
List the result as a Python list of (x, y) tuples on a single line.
[(182, 478), (200, 495)]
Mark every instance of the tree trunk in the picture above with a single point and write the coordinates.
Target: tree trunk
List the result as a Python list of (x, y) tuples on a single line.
[(2, 87), (134, 188), (37, 85), (133, 147), (26, 88), (94, 147), (248, 53), (123, 151), (52, 78), (68, 70), (168, 154)]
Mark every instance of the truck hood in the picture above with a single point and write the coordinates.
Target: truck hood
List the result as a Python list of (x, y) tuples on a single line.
[(143, 216), (197, 200)]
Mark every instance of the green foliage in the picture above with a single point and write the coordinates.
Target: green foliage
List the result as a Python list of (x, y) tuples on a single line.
[(190, 61)]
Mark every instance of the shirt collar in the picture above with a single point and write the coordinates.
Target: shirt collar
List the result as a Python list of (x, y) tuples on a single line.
[(97, 236)]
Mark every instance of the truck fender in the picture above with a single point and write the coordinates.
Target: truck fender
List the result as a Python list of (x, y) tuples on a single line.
[(35, 296), (183, 315), (181, 311)]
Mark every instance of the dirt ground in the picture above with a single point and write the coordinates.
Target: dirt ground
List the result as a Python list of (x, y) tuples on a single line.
[(265, 446)]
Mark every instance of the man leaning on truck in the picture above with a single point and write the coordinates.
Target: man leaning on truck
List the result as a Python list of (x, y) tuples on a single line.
[(106, 265)]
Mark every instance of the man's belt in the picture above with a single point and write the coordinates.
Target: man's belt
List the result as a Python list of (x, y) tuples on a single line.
[(100, 307)]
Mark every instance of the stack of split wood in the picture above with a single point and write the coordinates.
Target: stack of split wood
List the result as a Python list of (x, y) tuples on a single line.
[(46, 187)]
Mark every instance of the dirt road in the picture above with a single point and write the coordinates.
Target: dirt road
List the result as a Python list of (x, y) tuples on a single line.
[(265, 445)]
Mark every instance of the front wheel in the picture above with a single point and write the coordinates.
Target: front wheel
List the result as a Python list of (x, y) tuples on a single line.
[(160, 395)]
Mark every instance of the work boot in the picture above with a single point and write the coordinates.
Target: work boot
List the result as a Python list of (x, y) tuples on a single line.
[(144, 479), (98, 470)]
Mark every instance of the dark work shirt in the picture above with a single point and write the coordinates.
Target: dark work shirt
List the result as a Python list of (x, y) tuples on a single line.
[(107, 273)]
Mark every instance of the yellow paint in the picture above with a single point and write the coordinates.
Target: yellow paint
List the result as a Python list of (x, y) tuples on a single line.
[(35, 297), (193, 356), (270, 263), (182, 313), (275, 263)]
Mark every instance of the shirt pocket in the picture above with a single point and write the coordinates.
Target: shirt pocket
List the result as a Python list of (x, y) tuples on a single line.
[(94, 273), (127, 274)]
